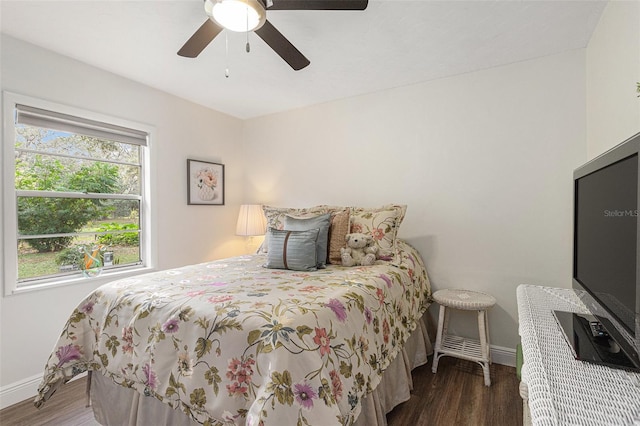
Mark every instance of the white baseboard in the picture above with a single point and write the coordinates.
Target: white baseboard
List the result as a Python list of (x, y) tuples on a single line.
[(503, 356), (19, 391), (23, 390)]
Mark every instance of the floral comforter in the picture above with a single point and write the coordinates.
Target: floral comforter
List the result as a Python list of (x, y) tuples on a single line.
[(231, 342)]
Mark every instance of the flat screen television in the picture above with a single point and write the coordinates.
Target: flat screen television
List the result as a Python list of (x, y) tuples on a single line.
[(606, 253)]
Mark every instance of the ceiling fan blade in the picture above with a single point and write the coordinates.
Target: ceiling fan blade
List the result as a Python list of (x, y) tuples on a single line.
[(282, 46), (200, 39), (319, 5)]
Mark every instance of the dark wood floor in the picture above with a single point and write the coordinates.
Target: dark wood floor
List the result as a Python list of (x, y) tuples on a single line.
[(66, 408), (456, 395)]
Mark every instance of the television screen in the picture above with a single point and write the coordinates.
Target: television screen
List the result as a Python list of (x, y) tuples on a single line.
[(606, 203)]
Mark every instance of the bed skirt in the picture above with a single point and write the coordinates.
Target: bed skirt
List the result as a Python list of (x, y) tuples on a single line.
[(115, 405)]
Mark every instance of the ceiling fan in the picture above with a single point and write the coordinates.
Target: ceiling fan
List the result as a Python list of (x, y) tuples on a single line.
[(250, 15)]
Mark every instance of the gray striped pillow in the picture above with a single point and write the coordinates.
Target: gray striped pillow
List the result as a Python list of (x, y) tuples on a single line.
[(295, 250), (321, 222)]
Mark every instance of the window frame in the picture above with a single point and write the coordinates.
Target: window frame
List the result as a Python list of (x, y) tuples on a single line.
[(8, 202)]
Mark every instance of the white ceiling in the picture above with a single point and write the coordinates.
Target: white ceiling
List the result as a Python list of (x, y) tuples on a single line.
[(392, 43)]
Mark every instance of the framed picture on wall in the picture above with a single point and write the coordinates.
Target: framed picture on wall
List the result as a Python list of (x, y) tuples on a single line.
[(205, 183)]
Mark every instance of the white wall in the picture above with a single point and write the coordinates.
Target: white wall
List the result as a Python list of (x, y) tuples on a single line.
[(30, 323), (613, 69), (484, 162)]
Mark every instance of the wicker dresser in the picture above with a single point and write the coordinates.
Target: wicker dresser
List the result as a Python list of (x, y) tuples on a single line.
[(557, 388)]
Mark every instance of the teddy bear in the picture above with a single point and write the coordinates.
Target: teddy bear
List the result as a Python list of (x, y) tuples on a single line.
[(360, 250)]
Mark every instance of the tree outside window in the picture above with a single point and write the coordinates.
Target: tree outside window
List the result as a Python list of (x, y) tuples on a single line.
[(74, 191)]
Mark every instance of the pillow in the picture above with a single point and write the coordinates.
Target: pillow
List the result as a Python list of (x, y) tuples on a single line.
[(337, 233), (275, 218), (383, 224), (295, 250), (322, 223)]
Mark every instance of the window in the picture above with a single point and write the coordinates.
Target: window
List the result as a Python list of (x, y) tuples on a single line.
[(78, 206)]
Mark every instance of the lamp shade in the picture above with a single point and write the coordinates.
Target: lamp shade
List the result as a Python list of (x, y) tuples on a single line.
[(251, 220)]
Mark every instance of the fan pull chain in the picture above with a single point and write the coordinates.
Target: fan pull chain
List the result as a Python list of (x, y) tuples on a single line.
[(248, 47), (226, 54)]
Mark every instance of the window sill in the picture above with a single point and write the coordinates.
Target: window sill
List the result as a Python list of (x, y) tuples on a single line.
[(104, 278)]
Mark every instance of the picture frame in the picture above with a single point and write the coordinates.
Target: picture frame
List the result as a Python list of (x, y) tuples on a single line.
[(205, 183)]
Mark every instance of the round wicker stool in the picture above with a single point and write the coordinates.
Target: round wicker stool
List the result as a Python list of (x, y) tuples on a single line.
[(470, 349)]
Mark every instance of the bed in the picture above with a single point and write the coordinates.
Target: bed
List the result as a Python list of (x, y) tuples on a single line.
[(233, 342)]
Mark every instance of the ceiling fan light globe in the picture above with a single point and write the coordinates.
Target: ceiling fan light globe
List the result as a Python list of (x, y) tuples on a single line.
[(236, 15)]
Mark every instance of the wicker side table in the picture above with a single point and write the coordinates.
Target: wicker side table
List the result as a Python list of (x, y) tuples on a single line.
[(460, 347)]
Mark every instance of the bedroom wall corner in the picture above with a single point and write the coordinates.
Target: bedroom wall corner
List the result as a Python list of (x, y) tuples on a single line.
[(613, 71), (483, 160), (31, 322)]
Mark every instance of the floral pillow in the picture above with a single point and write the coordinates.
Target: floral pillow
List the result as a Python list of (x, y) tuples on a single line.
[(383, 224)]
